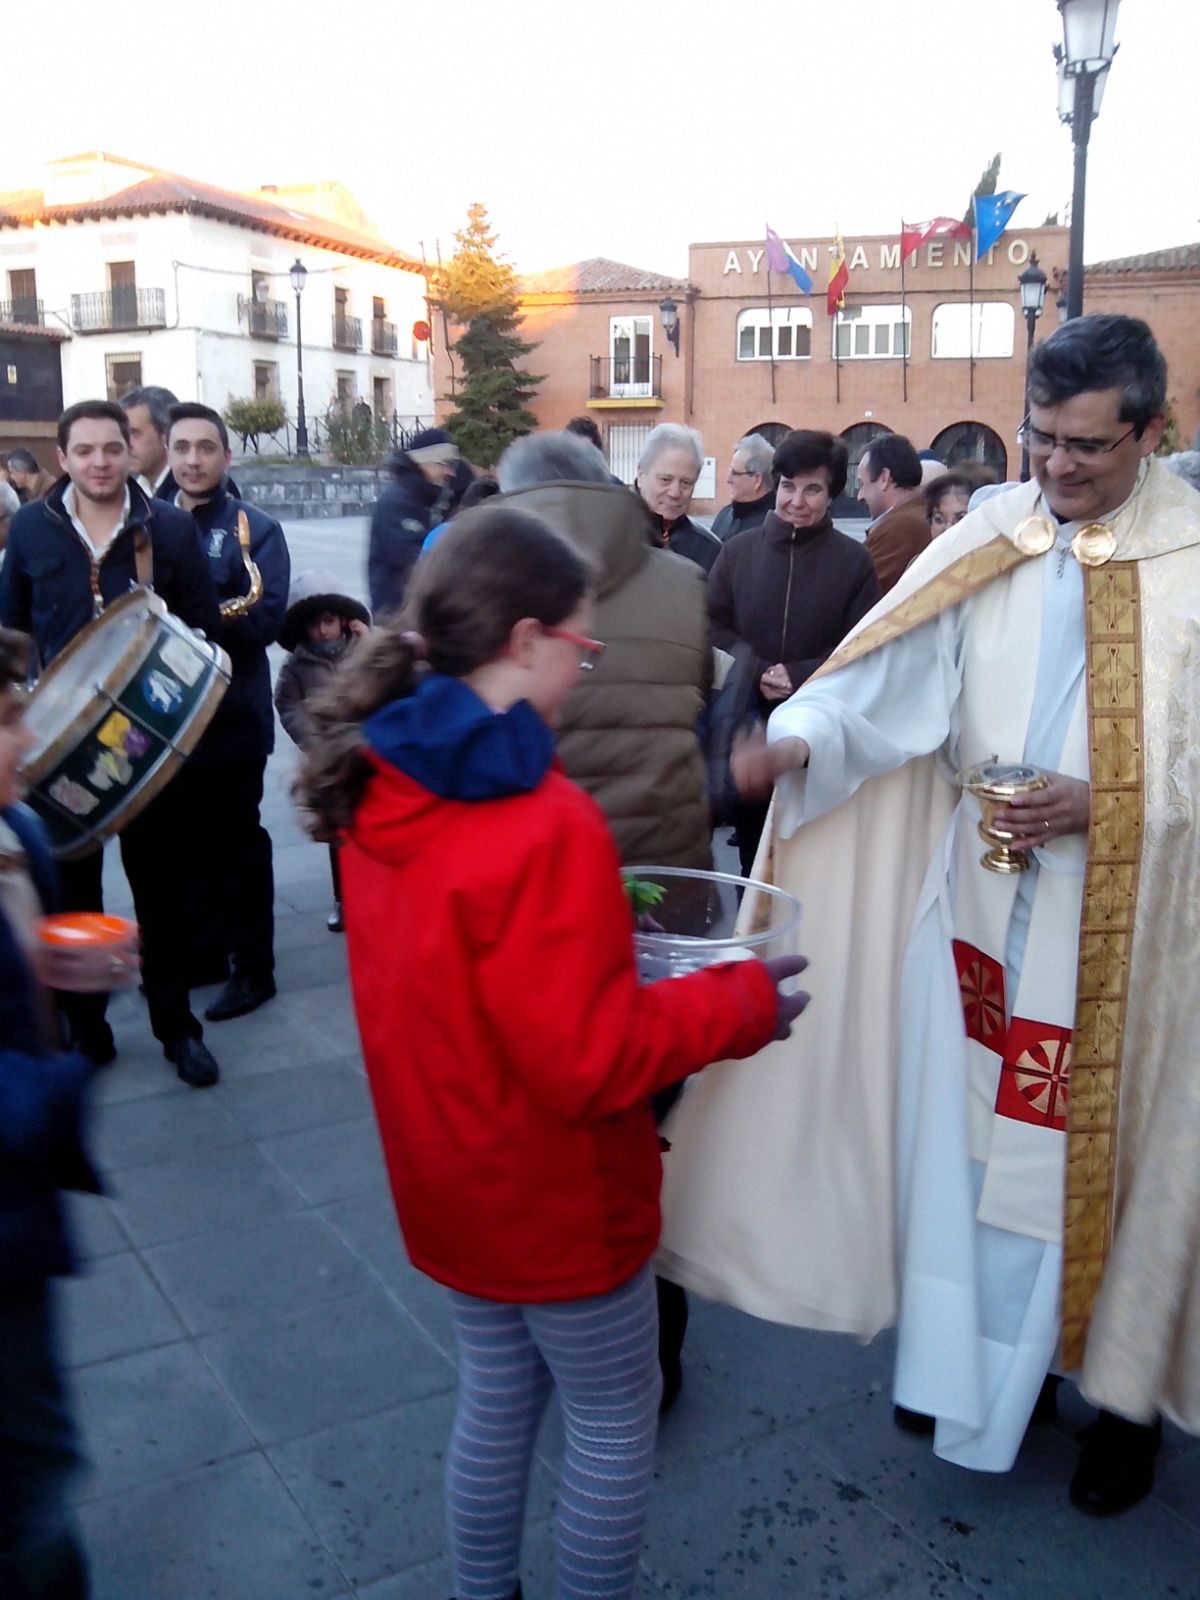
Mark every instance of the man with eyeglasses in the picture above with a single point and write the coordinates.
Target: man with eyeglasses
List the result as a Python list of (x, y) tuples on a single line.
[(751, 488), (993, 1140)]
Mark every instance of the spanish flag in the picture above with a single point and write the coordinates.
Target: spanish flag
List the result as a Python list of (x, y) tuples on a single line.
[(839, 277)]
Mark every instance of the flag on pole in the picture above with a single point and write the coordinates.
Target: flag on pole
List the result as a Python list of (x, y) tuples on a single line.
[(914, 234), (839, 277), (781, 259), (992, 213)]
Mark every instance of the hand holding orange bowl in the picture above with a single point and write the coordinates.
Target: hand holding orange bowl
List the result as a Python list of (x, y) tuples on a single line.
[(87, 952)]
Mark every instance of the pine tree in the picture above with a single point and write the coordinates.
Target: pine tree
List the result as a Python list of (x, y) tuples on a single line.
[(479, 289), (988, 180)]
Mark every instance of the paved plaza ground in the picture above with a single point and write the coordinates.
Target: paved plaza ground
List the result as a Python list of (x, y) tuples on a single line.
[(265, 1385)]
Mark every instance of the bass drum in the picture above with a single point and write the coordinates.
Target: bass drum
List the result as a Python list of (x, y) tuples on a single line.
[(114, 718)]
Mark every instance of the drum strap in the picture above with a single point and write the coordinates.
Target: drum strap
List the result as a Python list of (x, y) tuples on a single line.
[(143, 558)]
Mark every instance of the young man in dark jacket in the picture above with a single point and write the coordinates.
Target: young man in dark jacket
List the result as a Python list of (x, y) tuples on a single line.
[(93, 538), (41, 1154), (415, 501), (235, 886), (786, 594)]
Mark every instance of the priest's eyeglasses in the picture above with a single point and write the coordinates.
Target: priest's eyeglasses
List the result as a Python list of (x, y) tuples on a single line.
[(1044, 444), (590, 650)]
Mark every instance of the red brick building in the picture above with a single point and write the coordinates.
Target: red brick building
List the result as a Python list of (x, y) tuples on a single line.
[(936, 352)]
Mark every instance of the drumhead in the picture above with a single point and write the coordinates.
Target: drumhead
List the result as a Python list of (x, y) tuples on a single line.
[(69, 684)]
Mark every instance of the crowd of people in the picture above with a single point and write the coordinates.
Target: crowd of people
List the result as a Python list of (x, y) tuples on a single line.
[(558, 675)]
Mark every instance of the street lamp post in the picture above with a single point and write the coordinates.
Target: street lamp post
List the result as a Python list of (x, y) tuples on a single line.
[(299, 273), (1032, 283), (668, 311), (1084, 57)]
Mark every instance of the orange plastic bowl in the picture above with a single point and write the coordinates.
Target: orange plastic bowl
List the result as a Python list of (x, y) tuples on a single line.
[(88, 952)]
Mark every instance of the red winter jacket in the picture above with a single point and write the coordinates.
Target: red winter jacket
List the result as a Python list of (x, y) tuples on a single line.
[(510, 1049)]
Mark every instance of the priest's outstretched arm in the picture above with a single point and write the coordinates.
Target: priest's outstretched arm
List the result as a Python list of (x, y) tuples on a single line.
[(860, 721)]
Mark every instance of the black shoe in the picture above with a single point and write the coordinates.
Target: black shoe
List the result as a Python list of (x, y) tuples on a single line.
[(98, 1045), (334, 920), (913, 1421), (1116, 1465), (240, 996), (193, 1062)]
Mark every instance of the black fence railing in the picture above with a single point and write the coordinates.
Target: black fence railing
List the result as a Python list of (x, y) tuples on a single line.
[(383, 338), (118, 309), (269, 319), (625, 378), (27, 311), (388, 432), (347, 333)]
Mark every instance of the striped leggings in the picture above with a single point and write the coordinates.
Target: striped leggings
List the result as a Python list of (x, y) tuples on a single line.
[(602, 1354)]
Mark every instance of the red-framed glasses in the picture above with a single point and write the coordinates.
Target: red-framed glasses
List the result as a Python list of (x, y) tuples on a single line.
[(590, 649)]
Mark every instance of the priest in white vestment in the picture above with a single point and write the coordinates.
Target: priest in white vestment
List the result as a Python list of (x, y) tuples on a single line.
[(990, 1131)]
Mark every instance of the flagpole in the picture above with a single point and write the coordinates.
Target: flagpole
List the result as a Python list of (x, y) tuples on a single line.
[(770, 307), (903, 311), (971, 313)]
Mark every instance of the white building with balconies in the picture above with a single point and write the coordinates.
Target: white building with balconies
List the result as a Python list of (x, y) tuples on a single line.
[(160, 279)]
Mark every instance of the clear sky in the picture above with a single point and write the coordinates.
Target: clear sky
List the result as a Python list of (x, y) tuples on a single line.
[(625, 128)]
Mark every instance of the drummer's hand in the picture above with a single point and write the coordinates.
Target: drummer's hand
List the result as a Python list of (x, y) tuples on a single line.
[(781, 969), (756, 765), (1063, 806)]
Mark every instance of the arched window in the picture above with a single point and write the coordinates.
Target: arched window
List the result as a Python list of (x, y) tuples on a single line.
[(974, 442), (872, 333), (773, 432), (791, 327), (856, 438), (957, 324)]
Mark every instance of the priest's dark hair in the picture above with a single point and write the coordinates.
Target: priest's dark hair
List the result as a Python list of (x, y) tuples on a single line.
[(808, 450), (1101, 352)]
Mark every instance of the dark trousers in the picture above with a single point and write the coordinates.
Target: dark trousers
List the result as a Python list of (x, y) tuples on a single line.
[(335, 872), (233, 876), (749, 817), (155, 854), (39, 1556)]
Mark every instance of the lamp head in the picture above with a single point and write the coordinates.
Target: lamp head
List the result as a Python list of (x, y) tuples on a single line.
[(298, 274)]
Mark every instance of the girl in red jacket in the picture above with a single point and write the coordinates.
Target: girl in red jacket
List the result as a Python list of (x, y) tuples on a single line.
[(511, 1051)]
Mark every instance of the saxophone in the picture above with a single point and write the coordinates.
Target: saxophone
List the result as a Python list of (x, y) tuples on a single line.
[(241, 603)]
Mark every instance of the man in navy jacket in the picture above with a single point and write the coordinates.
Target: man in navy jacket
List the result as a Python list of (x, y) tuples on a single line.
[(41, 1154), (235, 888), (93, 538)]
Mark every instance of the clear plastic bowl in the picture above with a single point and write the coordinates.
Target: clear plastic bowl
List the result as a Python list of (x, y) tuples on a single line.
[(706, 917)]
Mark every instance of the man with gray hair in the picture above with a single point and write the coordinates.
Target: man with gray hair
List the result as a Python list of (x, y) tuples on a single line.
[(751, 488), (667, 470), (149, 421)]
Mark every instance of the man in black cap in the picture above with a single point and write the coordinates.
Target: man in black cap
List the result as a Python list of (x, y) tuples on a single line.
[(414, 502)]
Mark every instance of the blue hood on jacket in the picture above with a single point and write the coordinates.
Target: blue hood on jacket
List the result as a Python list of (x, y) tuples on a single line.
[(446, 739)]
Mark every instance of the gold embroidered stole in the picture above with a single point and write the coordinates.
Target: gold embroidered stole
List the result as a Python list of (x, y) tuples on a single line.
[(1114, 687), (959, 581)]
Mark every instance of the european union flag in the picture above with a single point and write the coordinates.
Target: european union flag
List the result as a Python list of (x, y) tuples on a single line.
[(992, 213)]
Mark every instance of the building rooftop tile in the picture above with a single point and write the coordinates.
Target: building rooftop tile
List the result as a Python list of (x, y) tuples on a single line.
[(1177, 258), (162, 192), (598, 275)]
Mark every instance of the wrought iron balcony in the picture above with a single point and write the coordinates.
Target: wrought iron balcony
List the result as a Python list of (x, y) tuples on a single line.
[(625, 378), (383, 338), (118, 310), (347, 333), (29, 311), (268, 319)]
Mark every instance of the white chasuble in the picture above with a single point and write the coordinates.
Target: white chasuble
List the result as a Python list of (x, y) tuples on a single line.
[(903, 1155)]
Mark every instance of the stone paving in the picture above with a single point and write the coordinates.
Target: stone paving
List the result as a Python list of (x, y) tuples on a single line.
[(265, 1385)]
